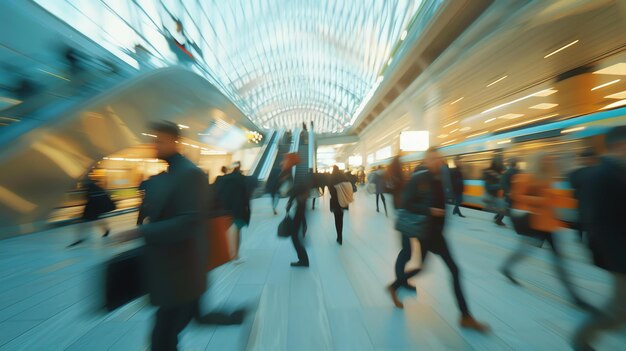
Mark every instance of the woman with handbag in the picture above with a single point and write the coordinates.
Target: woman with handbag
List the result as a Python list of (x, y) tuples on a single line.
[(534, 217), (336, 178)]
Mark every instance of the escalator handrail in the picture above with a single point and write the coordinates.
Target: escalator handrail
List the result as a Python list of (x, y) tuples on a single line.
[(57, 107), (272, 154)]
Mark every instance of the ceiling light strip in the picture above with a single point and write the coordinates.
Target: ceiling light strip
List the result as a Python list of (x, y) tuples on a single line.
[(527, 122), (457, 100), (451, 123), (496, 81), (517, 100), (605, 84), (561, 49)]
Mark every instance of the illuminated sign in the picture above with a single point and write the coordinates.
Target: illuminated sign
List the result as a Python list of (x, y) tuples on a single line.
[(414, 140)]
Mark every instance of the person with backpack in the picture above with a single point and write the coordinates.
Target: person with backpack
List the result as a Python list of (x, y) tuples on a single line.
[(338, 187), (491, 177), (424, 196)]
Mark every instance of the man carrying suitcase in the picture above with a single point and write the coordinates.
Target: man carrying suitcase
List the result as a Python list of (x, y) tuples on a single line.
[(175, 240)]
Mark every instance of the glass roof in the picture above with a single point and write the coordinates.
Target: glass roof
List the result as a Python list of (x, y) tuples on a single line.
[(282, 62)]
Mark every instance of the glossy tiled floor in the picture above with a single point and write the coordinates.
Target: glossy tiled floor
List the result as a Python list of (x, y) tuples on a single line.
[(48, 293)]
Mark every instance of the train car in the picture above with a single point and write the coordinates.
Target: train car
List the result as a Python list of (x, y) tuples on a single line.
[(565, 139)]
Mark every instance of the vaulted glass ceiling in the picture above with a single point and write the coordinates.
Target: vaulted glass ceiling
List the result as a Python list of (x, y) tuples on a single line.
[(282, 62)]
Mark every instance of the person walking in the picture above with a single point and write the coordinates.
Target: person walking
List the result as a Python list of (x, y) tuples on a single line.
[(491, 177), (505, 181), (299, 194), (579, 179), (456, 175), (607, 236), (273, 186), (396, 180), (234, 193), (335, 178), (98, 203), (424, 194), (379, 180), (176, 245), (534, 217)]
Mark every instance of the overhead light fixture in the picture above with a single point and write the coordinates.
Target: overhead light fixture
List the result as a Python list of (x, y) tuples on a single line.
[(448, 142), (571, 130), (546, 92), (54, 75), (490, 120), (182, 126), (561, 48), (496, 81), (457, 100), (403, 35), (477, 134), (605, 84), (620, 95), (149, 135), (618, 69), (443, 136), (544, 106), (615, 104), (511, 116), (541, 93), (465, 129), (527, 122), (195, 146), (186, 144), (503, 142), (455, 130), (451, 123)]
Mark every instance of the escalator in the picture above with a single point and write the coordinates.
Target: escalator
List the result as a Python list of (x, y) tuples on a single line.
[(284, 146), (265, 154), (56, 143)]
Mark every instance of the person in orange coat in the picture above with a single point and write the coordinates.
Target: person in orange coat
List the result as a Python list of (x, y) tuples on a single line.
[(534, 217)]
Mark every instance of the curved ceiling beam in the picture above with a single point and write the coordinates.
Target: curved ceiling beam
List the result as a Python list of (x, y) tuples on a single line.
[(277, 82)]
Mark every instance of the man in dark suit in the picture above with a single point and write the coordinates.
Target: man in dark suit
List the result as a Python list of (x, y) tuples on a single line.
[(578, 179), (175, 241), (607, 235)]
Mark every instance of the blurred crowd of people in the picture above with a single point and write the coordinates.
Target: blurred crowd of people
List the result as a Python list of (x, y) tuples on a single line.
[(176, 203)]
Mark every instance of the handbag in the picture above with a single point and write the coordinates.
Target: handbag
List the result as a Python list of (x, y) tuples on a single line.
[(222, 245), (286, 227), (411, 224), (124, 279), (521, 222), (345, 195)]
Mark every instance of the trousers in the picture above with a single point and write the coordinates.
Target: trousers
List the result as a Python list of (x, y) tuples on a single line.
[(170, 321), (437, 244)]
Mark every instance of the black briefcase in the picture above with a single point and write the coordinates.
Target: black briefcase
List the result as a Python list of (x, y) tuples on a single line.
[(124, 279)]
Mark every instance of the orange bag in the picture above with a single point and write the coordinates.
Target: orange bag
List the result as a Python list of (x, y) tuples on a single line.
[(290, 160), (221, 247)]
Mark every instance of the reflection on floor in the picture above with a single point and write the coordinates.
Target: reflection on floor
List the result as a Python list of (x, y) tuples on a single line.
[(47, 292)]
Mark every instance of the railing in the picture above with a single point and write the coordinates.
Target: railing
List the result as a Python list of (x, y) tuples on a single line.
[(272, 154), (262, 156)]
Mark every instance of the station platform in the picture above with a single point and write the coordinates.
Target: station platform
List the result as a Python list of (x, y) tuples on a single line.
[(48, 293)]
